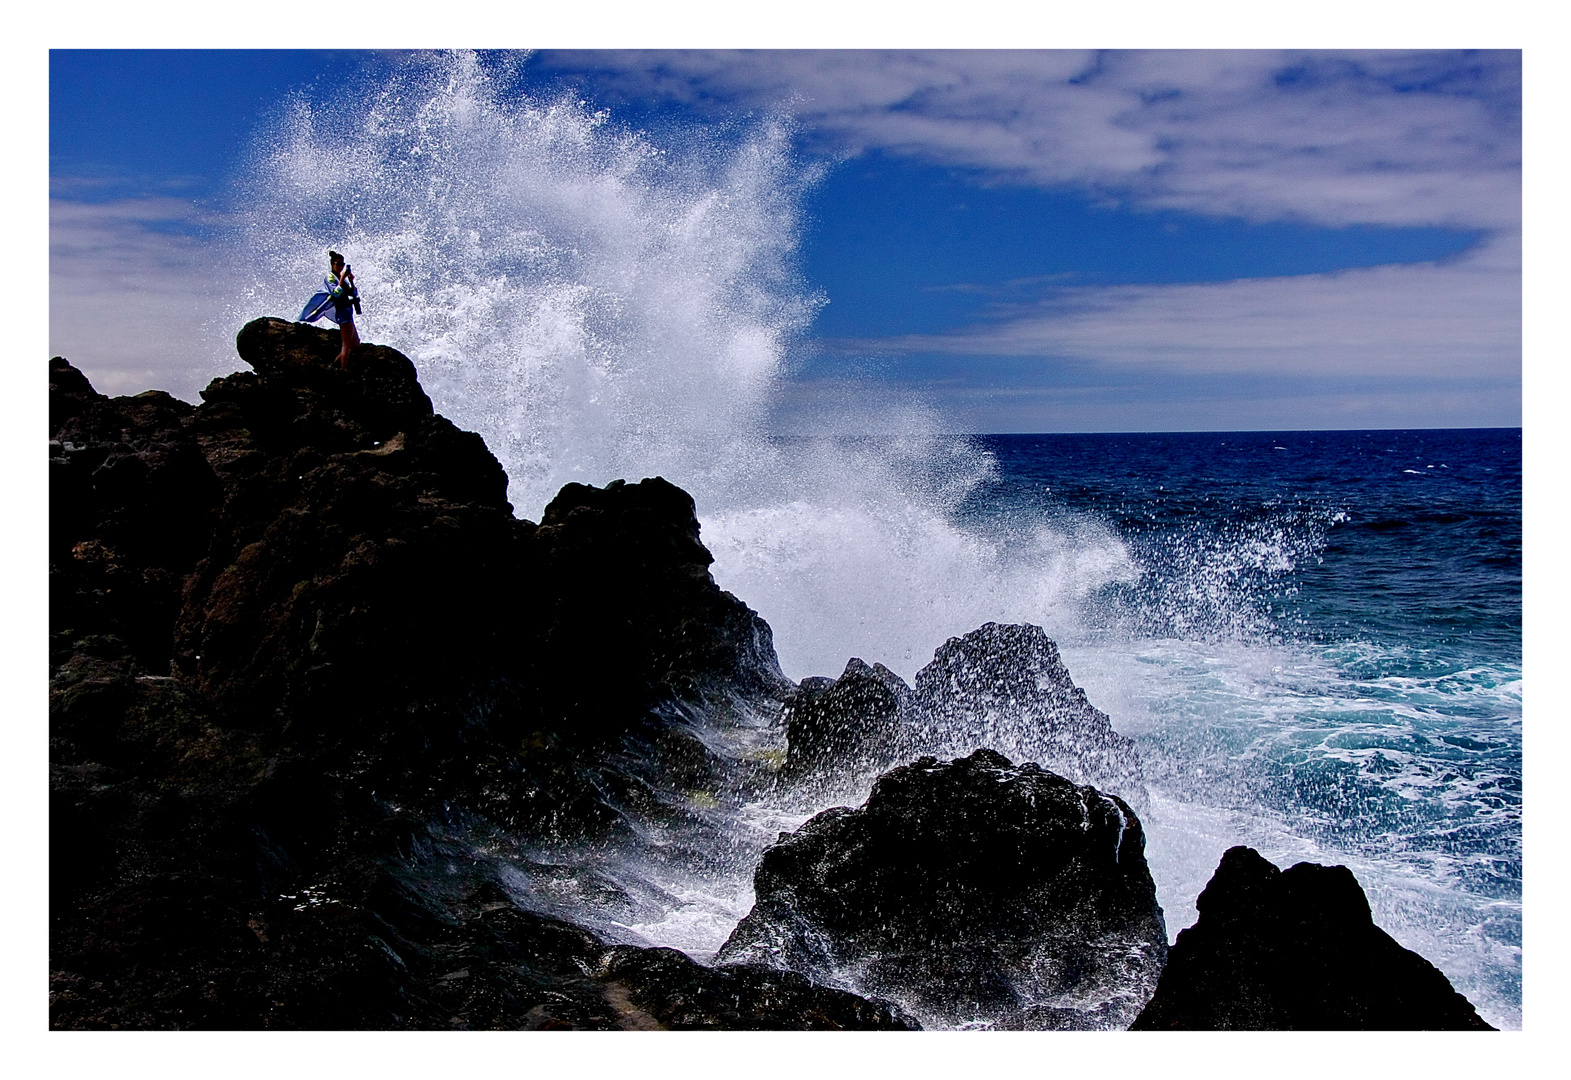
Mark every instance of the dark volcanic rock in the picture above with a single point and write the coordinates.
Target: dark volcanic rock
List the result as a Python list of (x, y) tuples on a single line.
[(968, 892), (410, 942), (298, 626), (1001, 687), (70, 394), (855, 723), (633, 549), (1296, 950), (132, 502), (673, 992)]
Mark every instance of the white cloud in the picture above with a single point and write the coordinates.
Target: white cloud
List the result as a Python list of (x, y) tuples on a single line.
[(1452, 320), (1388, 138), (1334, 138)]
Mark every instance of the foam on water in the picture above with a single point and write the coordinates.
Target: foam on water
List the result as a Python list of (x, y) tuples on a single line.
[(1281, 747), (600, 304)]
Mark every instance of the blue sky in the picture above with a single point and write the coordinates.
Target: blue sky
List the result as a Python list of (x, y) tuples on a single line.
[(1029, 240)]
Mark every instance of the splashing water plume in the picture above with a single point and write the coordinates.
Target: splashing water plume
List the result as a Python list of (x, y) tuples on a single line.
[(593, 305)]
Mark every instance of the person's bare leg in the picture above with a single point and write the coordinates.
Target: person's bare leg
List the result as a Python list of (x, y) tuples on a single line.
[(351, 338)]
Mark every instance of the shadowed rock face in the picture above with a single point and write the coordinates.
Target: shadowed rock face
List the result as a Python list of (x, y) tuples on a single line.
[(1296, 950), (314, 690), (856, 723), (971, 891), (302, 654), (1001, 686)]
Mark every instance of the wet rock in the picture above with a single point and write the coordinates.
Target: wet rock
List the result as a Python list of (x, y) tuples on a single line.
[(856, 723), (1001, 687), (1296, 950), (971, 892), (425, 938), (1005, 687), (667, 990)]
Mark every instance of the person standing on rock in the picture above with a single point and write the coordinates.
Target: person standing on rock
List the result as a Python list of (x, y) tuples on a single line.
[(339, 303)]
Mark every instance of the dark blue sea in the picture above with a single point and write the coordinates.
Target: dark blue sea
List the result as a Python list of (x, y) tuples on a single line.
[(1319, 652)]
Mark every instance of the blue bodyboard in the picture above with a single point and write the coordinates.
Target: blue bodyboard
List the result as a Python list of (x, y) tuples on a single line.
[(319, 306), (314, 308), (322, 307)]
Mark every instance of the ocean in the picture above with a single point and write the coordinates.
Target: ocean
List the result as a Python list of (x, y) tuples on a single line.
[(1321, 657), (1314, 638)]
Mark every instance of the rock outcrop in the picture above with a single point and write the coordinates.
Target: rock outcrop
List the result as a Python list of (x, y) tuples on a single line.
[(971, 892), (1296, 950), (1001, 686), (299, 643)]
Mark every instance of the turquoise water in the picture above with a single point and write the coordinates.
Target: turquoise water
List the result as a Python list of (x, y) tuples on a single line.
[(1319, 653)]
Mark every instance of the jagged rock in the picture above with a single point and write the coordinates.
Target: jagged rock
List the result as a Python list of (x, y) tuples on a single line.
[(850, 724), (1296, 950), (70, 393), (968, 892), (1004, 686), (634, 549), (1001, 687), (313, 551)]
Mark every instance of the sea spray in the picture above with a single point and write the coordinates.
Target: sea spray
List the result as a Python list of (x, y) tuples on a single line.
[(601, 303), (594, 305)]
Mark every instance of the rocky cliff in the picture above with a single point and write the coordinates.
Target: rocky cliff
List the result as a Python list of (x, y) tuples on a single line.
[(294, 631)]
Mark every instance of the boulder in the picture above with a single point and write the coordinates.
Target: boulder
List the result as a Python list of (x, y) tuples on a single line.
[(970, 893), (1296, 950)]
